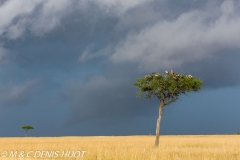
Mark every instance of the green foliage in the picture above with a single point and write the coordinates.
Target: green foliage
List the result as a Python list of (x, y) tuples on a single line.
[(167, 87), (238, 133), (27, 127)]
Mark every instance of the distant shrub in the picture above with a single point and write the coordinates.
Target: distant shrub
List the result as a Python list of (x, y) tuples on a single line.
[(238, 133)]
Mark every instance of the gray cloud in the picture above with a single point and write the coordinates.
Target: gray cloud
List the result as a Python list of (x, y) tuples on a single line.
[(40, 17), (218, 71), (17, 95), (12, 14), (111, 94), (193, 42), (117, 7), (192, 36), (3, 52), (99, 98)]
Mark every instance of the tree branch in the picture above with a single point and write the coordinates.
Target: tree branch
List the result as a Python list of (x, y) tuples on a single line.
[(170, 101)]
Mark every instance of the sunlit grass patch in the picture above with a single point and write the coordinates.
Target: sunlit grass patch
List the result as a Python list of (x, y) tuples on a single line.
[(214, 147)]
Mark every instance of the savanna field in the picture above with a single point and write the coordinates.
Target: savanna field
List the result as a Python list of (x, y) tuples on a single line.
[(195, 147)]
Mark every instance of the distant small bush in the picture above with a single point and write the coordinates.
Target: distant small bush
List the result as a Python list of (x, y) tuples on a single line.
[(238, 133)]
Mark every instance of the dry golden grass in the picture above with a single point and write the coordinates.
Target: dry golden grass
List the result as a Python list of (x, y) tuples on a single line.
[(212, 147)]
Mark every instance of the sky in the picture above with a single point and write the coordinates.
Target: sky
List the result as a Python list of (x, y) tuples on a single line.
[(67, 68)]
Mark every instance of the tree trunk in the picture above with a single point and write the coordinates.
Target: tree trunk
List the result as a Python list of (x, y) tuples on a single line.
[(158, 123)]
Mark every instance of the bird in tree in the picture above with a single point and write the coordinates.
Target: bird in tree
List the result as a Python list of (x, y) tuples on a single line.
[(167, 88), (26, 128)]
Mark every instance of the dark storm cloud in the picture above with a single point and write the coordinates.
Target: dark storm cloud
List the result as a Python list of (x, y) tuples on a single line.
[(41, 17), (110, 95), (17, 94), (218, 71), (189, 42), (88, 53), (193, 35), (57, 42)]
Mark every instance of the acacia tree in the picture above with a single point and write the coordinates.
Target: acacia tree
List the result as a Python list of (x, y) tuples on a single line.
[(167, 88), (26, 128)]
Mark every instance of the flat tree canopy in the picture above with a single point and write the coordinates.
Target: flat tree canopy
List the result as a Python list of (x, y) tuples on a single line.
[(27, 127), (167, 88)]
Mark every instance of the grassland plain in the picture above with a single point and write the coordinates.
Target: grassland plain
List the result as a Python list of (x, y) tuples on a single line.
[(195, 147)]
